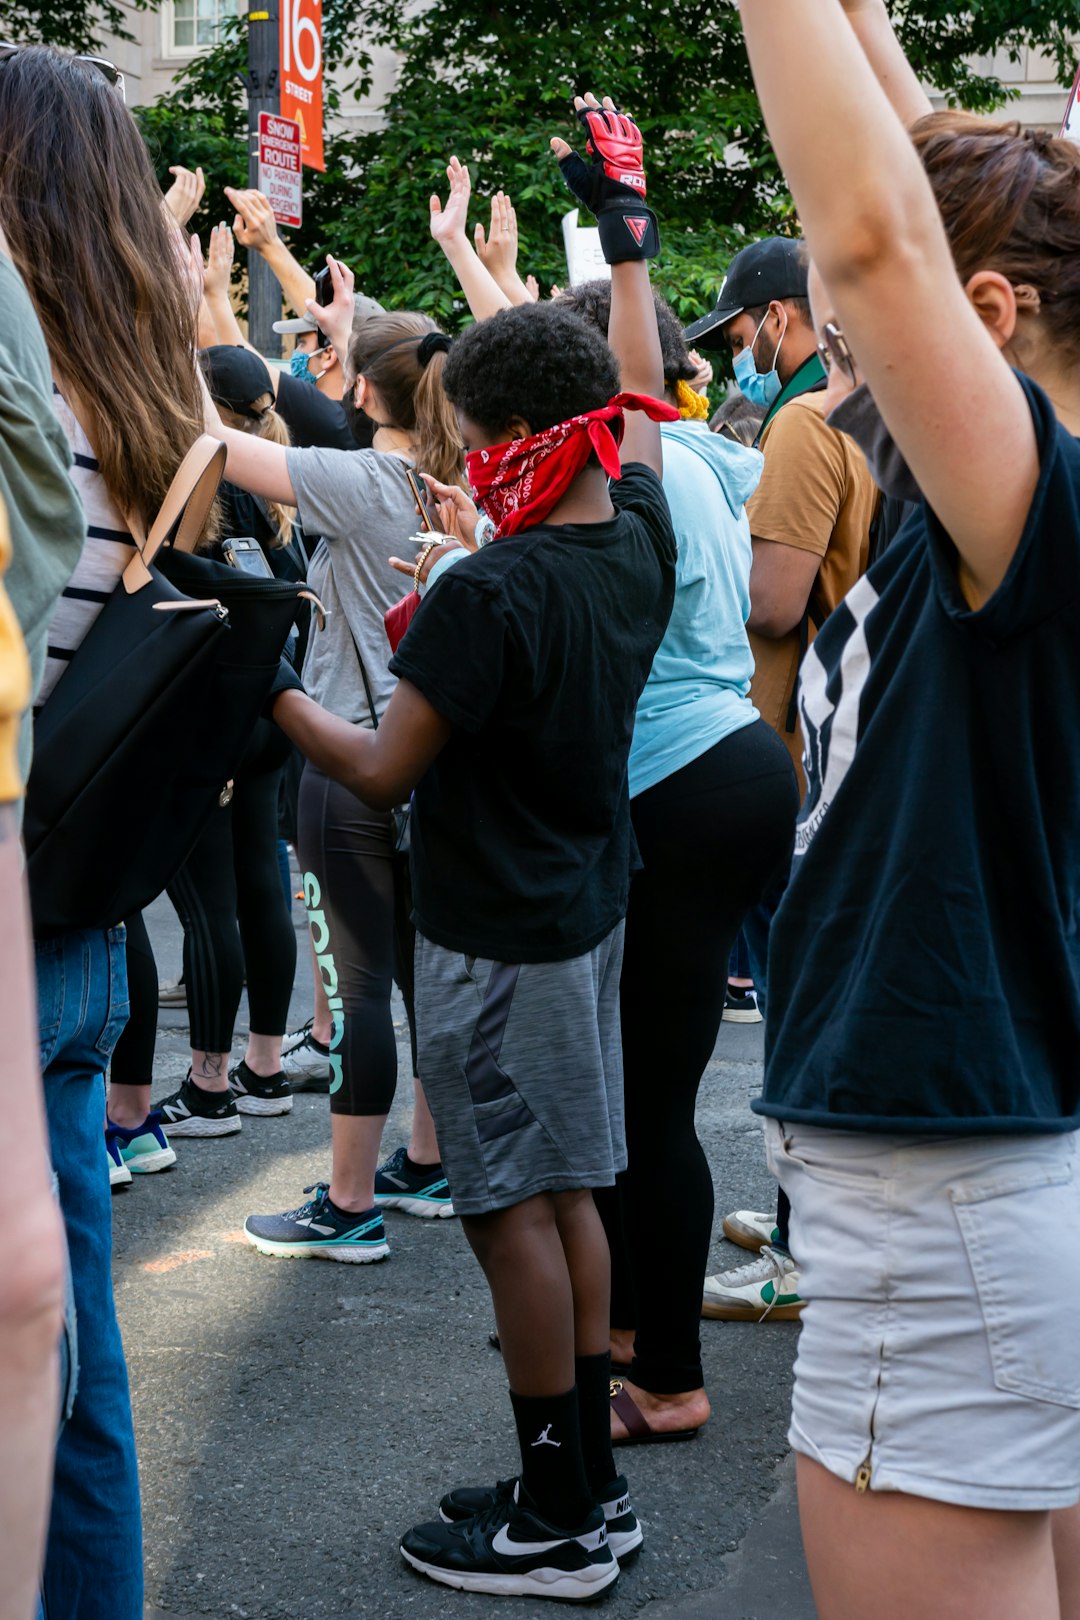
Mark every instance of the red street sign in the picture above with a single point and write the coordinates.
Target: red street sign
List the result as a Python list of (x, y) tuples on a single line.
[(301, 57), (281, 175)]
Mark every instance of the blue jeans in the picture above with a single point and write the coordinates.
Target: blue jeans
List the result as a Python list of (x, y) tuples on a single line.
[(93, 1557)]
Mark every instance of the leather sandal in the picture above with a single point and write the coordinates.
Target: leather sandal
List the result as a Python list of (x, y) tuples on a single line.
[(639, 1431)]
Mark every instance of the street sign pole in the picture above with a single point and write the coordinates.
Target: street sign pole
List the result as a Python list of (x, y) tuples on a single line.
[(264, 294)]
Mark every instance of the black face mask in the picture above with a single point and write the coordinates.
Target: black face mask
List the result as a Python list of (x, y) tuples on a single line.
[(360, 426), (860, 419)]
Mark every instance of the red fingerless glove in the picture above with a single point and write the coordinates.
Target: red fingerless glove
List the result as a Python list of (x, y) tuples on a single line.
[(612, 185)]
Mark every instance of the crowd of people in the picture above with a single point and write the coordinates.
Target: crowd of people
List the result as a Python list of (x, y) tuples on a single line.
[(687, 714)]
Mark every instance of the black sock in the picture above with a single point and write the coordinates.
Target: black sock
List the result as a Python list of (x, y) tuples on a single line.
[(552, 1470), (783, 1221), (594, 1418), (421, 1169)]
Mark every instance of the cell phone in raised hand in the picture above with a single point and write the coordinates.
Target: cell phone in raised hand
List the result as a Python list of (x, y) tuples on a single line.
[(429, 514)]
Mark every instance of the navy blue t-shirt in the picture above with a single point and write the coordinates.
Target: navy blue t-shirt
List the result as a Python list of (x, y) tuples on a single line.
[(924, 971)]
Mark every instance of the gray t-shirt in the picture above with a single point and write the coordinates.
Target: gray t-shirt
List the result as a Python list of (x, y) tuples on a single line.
[(360, 502)]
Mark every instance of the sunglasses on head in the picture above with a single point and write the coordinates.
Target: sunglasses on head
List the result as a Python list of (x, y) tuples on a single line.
[(834, 350), (101, 64)]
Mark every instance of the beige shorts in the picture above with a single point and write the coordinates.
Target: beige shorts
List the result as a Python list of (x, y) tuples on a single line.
[(940, 1346)]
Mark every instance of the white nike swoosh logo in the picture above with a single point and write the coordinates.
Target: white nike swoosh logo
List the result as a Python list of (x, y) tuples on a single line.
[(506, 1548)]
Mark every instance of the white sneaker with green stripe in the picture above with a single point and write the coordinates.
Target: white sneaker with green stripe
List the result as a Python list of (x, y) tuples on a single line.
[(765, 1290), (751, 1228)]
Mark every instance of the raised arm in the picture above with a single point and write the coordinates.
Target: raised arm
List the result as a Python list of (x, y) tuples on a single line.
[(876, 236), (498, 250), (219, 262), (874, 30), (256, 228), (613, 187), (448, 226)]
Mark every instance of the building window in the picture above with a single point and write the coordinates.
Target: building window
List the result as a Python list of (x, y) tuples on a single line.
[(194, 25)]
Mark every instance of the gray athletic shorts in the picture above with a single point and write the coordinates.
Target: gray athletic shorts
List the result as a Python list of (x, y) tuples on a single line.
[(522, 1067)]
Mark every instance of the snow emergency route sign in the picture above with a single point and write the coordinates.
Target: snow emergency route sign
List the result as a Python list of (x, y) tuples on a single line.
[(281, 173)]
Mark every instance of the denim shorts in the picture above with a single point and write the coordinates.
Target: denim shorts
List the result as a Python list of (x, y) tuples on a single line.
[(938, 1352)]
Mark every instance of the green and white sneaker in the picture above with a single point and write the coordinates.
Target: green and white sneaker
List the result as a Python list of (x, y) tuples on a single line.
[(751, 1228), (142, 1150), (766, 1289), (318, 1230)]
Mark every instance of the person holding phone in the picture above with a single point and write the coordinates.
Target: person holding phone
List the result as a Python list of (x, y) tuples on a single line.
[(923, 1116), (363, 504)]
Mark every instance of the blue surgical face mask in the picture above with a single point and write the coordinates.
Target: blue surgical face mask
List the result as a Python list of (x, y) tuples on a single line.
[(761, 388), (299, 368)]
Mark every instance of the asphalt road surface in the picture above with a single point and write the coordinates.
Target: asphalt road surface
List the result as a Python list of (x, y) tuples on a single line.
[(294, 1418)]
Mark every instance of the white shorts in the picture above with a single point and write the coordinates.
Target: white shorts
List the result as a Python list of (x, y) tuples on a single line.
[(940, 1345)]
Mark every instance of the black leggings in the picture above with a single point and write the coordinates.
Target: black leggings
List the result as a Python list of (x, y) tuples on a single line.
[(358, 912), (711, 836), (231, 877), (133, 1056)]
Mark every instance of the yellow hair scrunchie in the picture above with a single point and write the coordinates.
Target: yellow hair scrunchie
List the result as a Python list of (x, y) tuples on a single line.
[(693, 407)]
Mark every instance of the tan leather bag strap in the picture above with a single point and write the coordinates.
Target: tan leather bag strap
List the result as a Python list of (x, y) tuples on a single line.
[(186, 507)]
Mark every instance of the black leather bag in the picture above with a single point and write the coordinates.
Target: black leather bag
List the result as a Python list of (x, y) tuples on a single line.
[(135, 746)]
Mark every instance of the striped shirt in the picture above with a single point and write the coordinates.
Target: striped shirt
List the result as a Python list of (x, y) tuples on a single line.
[(104, 557)]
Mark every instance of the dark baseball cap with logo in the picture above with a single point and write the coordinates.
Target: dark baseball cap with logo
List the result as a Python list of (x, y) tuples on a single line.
[(766, 271)]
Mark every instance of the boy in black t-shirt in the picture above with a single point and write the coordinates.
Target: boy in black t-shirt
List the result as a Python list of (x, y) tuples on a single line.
[(519, 678)]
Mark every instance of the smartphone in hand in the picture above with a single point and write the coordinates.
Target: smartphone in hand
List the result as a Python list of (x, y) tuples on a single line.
[(429, 514)]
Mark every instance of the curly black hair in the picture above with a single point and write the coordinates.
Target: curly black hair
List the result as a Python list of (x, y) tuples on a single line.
[(591, 300), (538, 362)]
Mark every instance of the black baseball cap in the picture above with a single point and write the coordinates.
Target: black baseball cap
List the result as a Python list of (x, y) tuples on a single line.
[(236, 377), (766, 271)]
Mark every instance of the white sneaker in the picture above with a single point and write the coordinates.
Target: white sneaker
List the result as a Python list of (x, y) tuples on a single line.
[(119, 1174), (305, 1062), (766, 1288), (171, 994), (751, 1228)]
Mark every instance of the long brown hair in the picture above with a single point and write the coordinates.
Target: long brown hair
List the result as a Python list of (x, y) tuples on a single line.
[(1010, 201), (412, 393), (83, 215)]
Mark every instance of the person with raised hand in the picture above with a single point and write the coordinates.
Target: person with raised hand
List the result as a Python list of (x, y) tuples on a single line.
[(450, 228), (922, 1117), (498, 251), (361, 503), (517, 684), (185, 194), (255, 228)]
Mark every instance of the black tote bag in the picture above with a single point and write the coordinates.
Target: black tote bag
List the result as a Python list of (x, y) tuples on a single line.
[(134, 747)]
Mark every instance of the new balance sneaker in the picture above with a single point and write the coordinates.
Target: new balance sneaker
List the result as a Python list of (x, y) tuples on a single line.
[(172, 994), (191, 1111), (425, 1193), (740, 1006), (320, 1231), (119, 1174), (768, 1288), (144, 1149), (258, 1094), (305, 1062), (624, 1531), (751, 1228), (510, 1551)]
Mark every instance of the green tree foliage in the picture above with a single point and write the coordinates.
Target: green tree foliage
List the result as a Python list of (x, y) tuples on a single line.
[(490, 80), (75, 25)]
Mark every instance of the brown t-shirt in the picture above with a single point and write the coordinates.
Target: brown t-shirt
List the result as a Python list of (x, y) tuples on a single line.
[(815, 494)]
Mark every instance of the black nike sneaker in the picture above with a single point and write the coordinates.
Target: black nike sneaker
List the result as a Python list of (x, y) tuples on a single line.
[(510, 1551), (625, 1535)]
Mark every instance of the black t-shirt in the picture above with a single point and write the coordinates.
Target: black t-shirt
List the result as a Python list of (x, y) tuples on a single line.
[(924, 970), (312, 419), (537, 649)]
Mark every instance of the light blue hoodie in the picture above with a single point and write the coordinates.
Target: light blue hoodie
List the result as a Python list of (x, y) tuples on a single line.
[(698, 689)]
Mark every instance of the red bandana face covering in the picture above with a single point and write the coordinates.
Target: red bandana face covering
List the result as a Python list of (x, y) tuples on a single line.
[(518, 484)]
